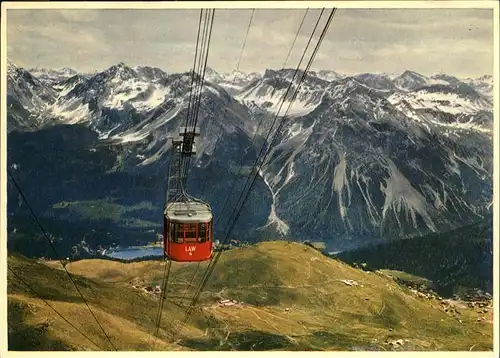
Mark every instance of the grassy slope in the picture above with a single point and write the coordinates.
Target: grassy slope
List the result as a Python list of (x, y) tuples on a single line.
[(293, 299)]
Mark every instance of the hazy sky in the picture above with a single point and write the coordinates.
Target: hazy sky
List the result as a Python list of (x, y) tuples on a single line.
[(429, 41)]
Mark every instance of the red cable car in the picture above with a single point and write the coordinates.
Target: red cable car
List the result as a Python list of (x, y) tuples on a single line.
[(188, 231)]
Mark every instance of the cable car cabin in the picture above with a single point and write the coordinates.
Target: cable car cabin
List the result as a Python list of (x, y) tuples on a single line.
[(188, 231)]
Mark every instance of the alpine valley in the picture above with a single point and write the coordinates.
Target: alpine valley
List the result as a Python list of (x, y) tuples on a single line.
[(359, 159)]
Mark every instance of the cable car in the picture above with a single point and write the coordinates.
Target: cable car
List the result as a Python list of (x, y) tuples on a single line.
[(188, 231)]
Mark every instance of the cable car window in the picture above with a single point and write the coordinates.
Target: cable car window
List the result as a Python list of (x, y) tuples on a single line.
[(168, 232), (178, 233), (202, 232), (190, 230), (171, 231)]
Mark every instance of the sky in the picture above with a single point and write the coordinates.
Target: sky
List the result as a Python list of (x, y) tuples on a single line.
[(429, 41)]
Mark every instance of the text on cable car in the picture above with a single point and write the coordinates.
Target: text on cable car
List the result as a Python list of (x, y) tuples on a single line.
[(190, 249)]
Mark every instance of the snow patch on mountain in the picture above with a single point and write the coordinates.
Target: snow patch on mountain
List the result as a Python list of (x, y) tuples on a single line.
[(445, 102), (273, 218), (272, 102), (328, 76), (146, 127), (340, 182), (71, 112), (463, 110), (269, 93), (233, 82), (403, 199), (65, 87), (141, 95)]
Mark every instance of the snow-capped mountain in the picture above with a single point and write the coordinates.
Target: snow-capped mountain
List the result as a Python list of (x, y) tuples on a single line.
[(65, 86), (410, 81), (452, 106), (84, 99), (360, 158), (357, 165), (28, 99), (129, 104), (377, 81), (483, 85), (268, 92), (328, 76), (52, 76), (233, 82), (441, 100)]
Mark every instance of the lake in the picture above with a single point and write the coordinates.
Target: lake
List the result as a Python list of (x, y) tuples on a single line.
[(135, 252)]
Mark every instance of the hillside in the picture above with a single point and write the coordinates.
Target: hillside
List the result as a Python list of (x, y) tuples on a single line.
[(454, 261), (290, 297)]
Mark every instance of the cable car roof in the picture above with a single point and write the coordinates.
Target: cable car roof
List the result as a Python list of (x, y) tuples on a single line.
[(189, 212)]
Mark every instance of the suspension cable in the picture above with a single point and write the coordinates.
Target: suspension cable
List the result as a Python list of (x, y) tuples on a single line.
[(245, 41), (184, 164), (211, 266), (52, 308), (215, 147), (57, 254)]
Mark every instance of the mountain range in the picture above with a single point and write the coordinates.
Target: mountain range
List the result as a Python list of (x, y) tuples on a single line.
[(359, 159)]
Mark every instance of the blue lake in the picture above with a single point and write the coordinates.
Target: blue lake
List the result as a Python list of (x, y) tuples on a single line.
[(134, 252)]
